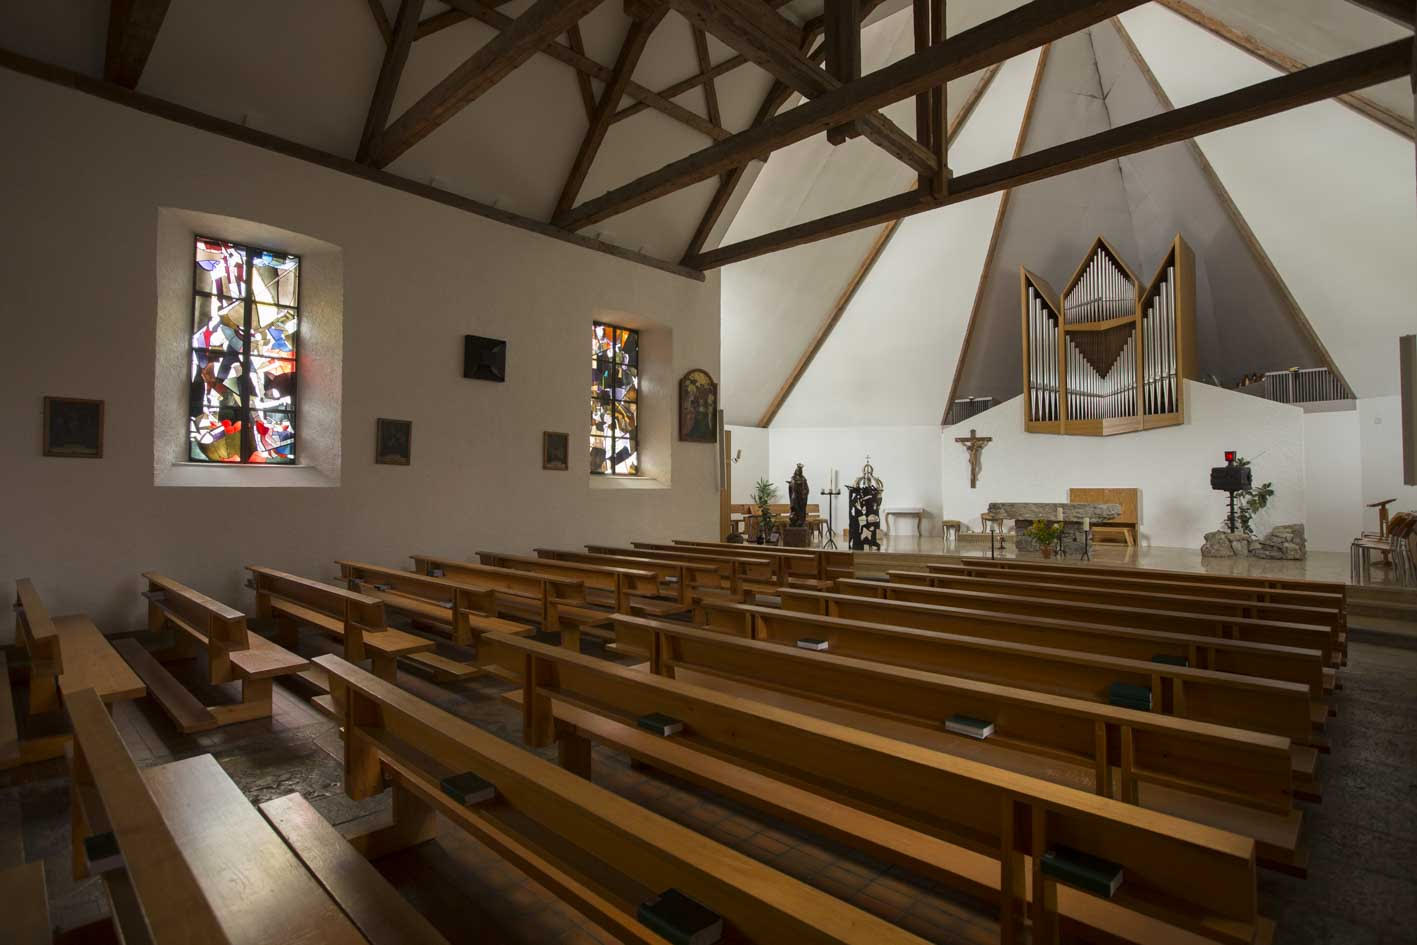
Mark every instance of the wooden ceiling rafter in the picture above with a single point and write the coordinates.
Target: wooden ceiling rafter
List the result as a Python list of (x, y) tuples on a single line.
[(702, 78), (496, 19), (701, 52), (754, 30), (133, 26), (395, 58), (577, 44), (1326, 80), (1024, 28), (496, 59), (1361, 104), (636, 39), (381, 20)]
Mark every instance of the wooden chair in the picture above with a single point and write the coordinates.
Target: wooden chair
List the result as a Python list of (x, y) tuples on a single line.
[(558, 604), (1042, 626), (960, 823), (599, 852), (357, 620), (199, 865), (1261, 705), (623, 589), (66, 654), (232, 655), (1280, 625)]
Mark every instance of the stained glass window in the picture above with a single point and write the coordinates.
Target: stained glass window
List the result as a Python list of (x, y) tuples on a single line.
[(614, 401), (245, 318)]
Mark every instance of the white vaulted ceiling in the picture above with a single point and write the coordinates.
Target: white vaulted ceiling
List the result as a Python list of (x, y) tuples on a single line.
[(1325, 192)]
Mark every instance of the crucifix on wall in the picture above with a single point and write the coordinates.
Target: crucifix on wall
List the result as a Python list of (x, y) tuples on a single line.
[(975, 444)]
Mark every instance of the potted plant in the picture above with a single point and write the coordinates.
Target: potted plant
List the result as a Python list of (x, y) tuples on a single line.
[(764, 495), (1046, 534)]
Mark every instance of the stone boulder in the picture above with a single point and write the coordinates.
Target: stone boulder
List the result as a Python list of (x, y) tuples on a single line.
[(1217, 545), (1283, 543)]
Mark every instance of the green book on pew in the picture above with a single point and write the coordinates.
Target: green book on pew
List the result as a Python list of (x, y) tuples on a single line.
[(660, 724), (680, 919), (1128, 696), (967, 725), (102, 853), (1082, 870), (1170, 660), (468, 789)]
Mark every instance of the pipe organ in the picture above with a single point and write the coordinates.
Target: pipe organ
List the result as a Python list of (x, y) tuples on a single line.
[(1109, 359)]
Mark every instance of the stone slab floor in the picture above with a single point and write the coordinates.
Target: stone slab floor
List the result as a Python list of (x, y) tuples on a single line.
[(1361, 890)]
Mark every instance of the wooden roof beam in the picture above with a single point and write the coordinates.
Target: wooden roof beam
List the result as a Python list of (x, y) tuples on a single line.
[(484, 13), (701, 51), (1399, 11), (577, 44), (395, 58), (381, 20), (133, 26), (755, 31), (542, 21), (636, 39), (1006, 36), (1329, 79), (679, 88)]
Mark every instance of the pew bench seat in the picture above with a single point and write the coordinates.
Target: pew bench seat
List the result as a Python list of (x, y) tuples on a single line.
[(382, 915), (91, 662), (29, 925), (9, 726), (389, 643)]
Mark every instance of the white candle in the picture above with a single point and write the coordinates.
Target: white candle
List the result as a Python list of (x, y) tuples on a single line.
[(1060, 513), (1087, 524)]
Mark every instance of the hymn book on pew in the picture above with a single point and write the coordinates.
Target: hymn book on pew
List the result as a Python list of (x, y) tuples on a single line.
[(966, 725), (1082, 870), (660, 724), (680, 919), (157, 597), (468, 789), (1127, 696), (811, 643), (102, 854), (1171, 660)]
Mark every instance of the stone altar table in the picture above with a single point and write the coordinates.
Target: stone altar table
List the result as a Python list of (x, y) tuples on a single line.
[(1023, 515)]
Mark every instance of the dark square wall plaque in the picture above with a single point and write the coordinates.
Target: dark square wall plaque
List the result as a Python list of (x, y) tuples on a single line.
[(484, 359)]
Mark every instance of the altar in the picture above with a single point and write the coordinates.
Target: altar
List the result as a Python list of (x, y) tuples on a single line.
[(1071, 514)]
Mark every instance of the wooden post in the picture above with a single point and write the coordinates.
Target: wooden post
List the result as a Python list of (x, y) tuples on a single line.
[(573, 751), (1101, 762), (842, 23), (537, 716), (920, 12), (1044, 911), (363, 775), (939, 108), (1012, 884)]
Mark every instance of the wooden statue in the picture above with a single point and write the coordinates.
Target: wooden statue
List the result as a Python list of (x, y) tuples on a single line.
[(797, 491)]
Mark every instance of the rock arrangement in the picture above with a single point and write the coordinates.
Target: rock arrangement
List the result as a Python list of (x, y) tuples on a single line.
[(1284, 542)]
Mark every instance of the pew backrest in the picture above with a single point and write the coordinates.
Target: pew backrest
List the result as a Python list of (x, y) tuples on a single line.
[(1264, 705), (619, 580), (223, 626), (35, 629), (1273, 583)]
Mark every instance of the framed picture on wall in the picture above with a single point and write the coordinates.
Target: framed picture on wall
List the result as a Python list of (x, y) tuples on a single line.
[(393, 442), (555, 450), (698, 408), (73, 428)]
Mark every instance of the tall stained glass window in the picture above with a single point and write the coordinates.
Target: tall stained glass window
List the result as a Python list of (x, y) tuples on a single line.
[(245, 317), (614, 401)]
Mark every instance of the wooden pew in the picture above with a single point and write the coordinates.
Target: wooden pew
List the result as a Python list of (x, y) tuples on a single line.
[(1024, 620), (67, 654), (956, 821), (232, 655), (1274, 589), (199, 865), (788, 564), (1261, 705), (833, 564), (678, 579), (1157, 595), (599, 852), (355, 619), (1229, 778), (557, 603), (732, 570), (623, 589)]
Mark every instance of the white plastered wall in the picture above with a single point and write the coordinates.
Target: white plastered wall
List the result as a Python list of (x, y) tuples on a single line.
[(77, 260), (751, 449)]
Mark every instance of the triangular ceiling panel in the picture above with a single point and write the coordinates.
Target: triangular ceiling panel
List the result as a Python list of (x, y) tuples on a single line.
[(890, 358), (1050, 224), (1329, 193)]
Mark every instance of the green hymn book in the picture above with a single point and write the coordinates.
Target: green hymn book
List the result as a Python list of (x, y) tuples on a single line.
[(680, 919)]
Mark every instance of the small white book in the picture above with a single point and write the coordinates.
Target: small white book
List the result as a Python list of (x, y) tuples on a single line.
[(812, 643)]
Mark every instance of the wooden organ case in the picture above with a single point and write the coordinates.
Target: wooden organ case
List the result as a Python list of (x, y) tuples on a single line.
[(1103, 357)]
